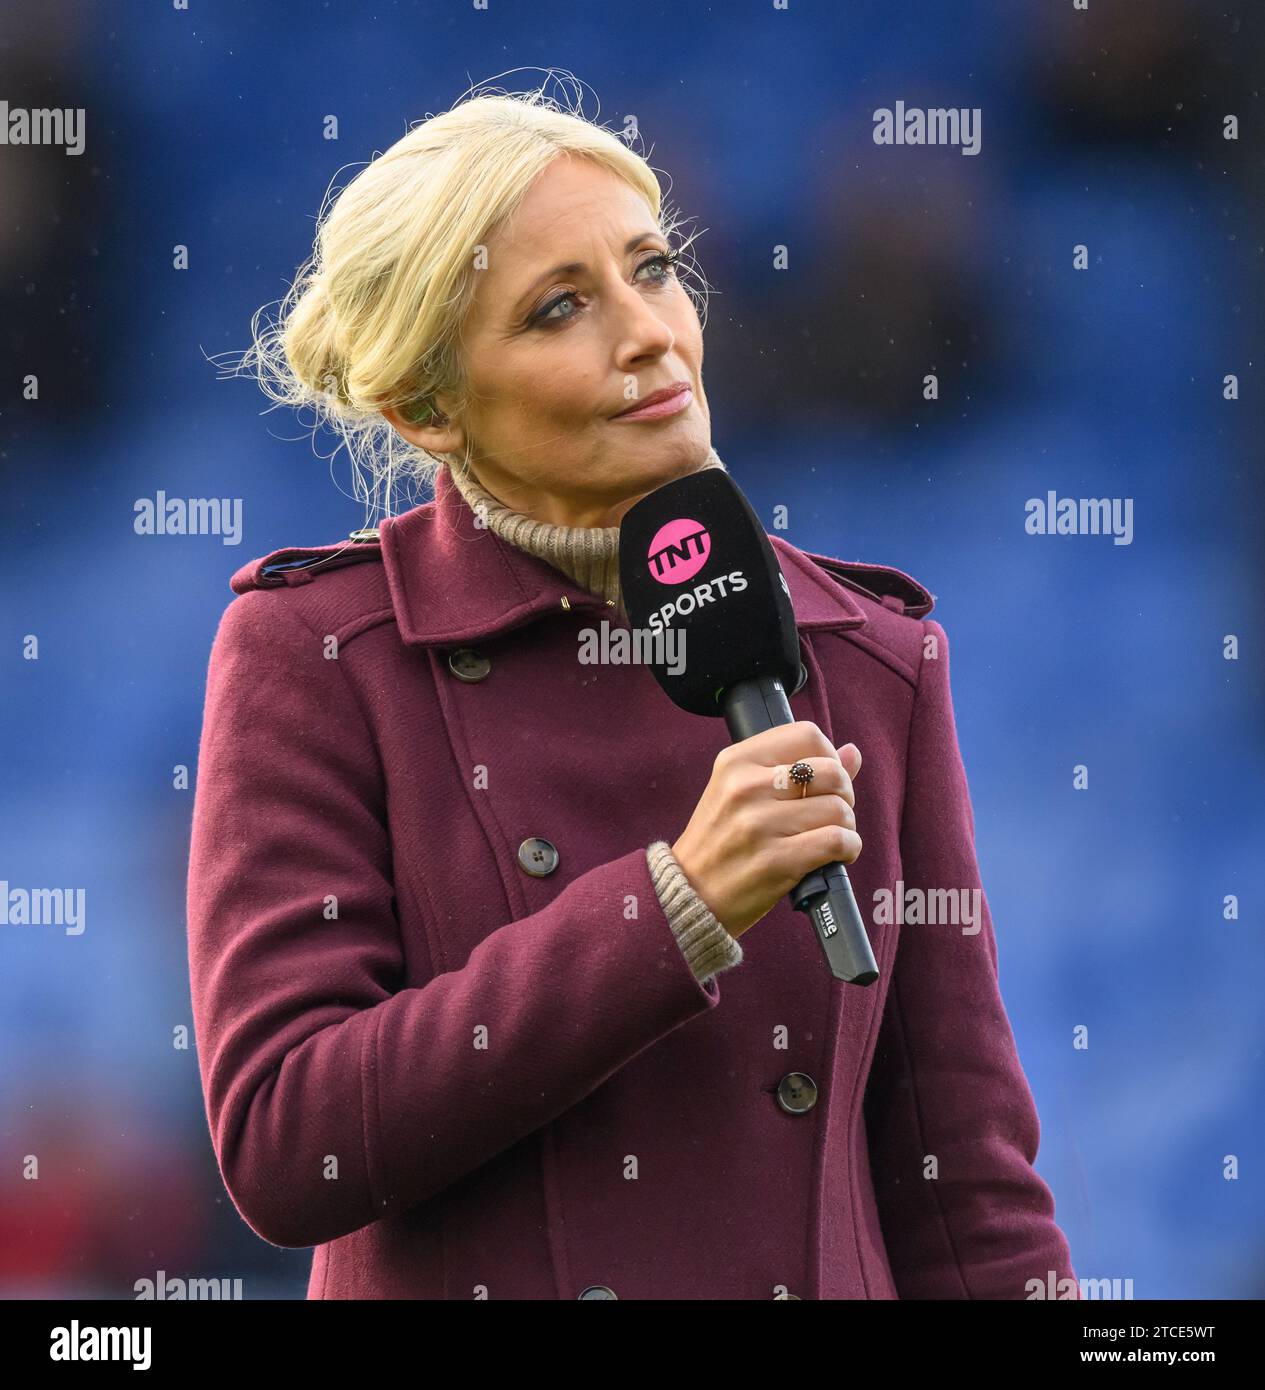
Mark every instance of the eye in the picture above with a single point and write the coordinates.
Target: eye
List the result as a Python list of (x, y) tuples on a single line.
[(547, 315), (665, 260)]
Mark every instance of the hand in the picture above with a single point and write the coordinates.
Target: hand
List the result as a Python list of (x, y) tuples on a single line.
[(754, 833)]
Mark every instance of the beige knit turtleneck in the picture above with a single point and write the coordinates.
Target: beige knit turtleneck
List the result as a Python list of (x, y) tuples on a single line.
[(589, 555)]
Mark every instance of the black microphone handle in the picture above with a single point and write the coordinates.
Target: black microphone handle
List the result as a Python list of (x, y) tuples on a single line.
[(751, 707)]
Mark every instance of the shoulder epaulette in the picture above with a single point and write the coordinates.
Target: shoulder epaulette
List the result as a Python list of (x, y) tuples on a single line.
[(302, 564), (891, 587)]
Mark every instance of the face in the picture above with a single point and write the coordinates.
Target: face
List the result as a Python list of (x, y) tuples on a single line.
[(554, 355)]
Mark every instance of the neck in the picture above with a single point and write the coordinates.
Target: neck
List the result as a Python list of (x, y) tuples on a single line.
[(588, 555)]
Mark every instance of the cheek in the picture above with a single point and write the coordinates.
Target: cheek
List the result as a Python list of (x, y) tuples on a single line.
[(549, 388), (687, 329)]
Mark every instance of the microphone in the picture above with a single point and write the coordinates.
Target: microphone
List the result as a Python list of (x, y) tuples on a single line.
[(694, 557)]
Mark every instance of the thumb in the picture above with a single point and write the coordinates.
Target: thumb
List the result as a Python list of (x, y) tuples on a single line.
[(850, 757)]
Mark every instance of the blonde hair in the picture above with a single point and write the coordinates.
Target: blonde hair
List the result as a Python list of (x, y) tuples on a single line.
[(373, 318)]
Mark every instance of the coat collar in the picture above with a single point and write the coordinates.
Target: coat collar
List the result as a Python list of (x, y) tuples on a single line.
[(452, 581), (455, 582)]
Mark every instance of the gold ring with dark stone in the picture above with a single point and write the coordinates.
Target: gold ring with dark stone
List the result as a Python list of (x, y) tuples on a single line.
[(801, 774)]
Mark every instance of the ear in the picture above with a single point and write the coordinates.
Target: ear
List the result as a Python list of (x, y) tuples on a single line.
[(436, 436)]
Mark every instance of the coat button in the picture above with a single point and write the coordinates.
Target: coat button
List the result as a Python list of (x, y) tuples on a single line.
[(598, 1291), (468, 665), (367, 533), (795, 1296), (803, 679), (539, 858), (796, 1093)]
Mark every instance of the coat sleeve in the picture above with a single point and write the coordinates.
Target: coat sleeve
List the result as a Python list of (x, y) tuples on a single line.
[(946, 1080), (334, 1097)]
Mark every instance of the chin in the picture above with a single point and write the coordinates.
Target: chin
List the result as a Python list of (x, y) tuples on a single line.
[(663, 464), (654, 455)]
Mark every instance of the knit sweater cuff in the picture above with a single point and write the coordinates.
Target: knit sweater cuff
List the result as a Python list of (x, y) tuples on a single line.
[(702, 937)]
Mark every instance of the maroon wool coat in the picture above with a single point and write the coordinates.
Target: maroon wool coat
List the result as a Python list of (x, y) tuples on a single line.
[(459, 1080)]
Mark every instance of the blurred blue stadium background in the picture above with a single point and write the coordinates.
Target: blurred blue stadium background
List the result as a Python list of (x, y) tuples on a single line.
[(204, 128)]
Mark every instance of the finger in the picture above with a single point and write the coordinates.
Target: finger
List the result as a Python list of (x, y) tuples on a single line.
[(785, 743), (829, 777), (850, 757), (816, 811)]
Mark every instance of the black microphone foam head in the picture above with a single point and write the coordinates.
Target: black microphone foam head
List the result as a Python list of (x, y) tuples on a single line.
[(693, 556)]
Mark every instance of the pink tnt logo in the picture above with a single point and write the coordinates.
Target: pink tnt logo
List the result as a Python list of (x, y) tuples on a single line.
[(679, 550)]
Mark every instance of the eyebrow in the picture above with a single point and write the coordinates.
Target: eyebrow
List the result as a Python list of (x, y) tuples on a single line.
[(575, 268)]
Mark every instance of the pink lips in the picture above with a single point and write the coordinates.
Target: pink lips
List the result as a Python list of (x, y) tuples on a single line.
[(661, 403)]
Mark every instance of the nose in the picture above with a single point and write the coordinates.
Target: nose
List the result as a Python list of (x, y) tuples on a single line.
[(642, 333)]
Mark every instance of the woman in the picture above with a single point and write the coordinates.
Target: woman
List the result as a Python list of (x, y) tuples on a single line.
[(460, 906)]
